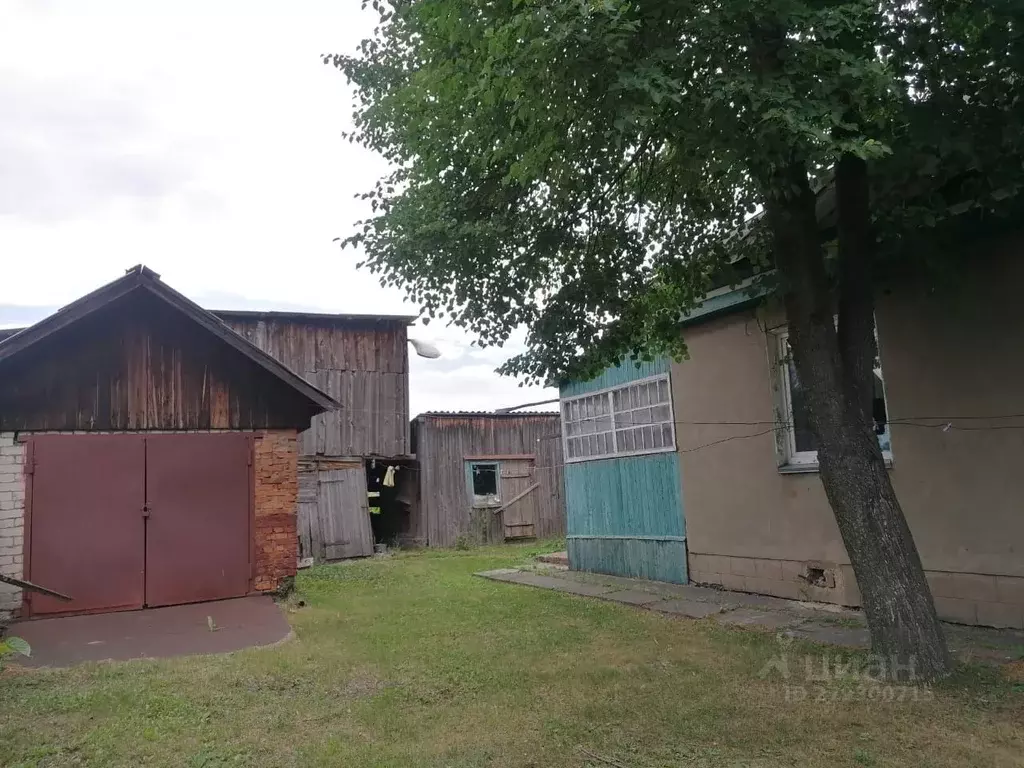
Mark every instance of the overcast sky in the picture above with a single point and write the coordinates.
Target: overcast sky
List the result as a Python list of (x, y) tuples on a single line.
[(202, 141)]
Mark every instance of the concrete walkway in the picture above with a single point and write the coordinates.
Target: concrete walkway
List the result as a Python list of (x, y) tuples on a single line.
[(818, 622), (180, 630)]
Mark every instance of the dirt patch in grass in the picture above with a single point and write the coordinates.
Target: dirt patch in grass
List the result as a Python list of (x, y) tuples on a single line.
[(413, 661)]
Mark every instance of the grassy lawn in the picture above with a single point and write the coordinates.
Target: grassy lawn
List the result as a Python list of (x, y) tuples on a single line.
[(412, 661)]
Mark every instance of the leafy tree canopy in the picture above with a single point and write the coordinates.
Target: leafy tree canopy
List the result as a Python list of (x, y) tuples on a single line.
[(583, 167)]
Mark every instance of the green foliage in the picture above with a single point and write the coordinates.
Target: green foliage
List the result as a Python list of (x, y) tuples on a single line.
[(11, 645), (582, 168)]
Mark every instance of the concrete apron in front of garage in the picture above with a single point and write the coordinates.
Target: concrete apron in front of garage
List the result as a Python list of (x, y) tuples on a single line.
[(220, 626), (818, 622)]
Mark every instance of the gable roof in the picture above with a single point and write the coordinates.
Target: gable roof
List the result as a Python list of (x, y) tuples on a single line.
[(141, 278)]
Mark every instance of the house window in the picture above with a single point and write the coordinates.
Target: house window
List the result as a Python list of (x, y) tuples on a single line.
[(485, 483), (801, 448), (633, 419)]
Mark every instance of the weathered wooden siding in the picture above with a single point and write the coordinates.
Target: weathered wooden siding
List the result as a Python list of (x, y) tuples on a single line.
[(624, 515), (445, 441), (140, 365), (363, 364), (334, 516), (616, 375)]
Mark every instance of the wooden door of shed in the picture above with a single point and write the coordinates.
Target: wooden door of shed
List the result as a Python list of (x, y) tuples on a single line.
[(343, 513), (519, 495)]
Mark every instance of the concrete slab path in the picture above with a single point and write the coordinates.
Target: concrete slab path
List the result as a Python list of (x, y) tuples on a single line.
[(818, 622), (180, 630)]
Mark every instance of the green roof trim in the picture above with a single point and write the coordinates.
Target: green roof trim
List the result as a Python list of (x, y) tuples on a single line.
[(746, 294)]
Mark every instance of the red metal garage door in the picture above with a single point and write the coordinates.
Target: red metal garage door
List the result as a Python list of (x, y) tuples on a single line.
[(197, 532), (125, 521), (86, 526)]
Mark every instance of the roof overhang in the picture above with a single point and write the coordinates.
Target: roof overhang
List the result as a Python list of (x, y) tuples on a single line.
[(140, 278)]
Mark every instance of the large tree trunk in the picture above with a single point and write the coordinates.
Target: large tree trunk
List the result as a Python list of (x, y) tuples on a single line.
[(905, 630)]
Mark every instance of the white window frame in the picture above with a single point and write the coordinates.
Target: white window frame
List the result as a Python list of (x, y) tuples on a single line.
[(609, 392), (805, 460), (793, 457)]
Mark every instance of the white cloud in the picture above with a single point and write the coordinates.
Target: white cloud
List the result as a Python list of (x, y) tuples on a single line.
[(202, 140)]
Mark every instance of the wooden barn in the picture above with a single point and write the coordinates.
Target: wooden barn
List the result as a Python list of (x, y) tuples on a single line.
[(148, 455), (487, 477), (356, 484)]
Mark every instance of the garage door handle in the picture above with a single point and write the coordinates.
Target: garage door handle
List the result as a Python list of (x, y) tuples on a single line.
[(146, 510)]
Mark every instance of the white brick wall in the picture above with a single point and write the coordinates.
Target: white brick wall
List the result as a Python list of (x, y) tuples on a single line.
[(12, 518)]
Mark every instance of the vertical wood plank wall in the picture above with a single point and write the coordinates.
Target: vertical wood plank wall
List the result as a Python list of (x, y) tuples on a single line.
[(140, 365), (442, 443), (362, 363)]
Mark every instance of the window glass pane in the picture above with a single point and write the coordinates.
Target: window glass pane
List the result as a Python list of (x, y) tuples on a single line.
[(656, 441), (627, 443), (588, 426), (617, 399), (802, 436), (663, 391), (661, 413), (878, 411), (624, 419), (666, 433), (645, 397), (593, 445), (485, 479), (642, 416), (604, 424)]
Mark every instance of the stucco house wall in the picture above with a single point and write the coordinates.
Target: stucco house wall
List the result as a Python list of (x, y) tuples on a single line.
[(947, 354)]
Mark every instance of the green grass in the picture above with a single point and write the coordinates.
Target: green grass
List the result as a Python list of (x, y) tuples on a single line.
[(413, 661)]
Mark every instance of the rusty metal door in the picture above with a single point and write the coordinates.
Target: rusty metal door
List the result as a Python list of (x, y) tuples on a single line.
[(344, 513), (197, 529), (519, 499), (87, 535)]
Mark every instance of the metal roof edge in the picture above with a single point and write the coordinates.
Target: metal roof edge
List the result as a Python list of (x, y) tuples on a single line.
[(274, 314)]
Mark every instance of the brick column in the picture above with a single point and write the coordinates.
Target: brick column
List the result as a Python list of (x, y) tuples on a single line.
[(276, 468), (12, 519)]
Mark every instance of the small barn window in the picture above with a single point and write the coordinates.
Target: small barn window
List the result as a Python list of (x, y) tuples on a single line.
[(633, 419), (485, 483)]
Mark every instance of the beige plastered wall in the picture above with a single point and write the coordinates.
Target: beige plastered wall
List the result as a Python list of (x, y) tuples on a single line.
[(953, 352)]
